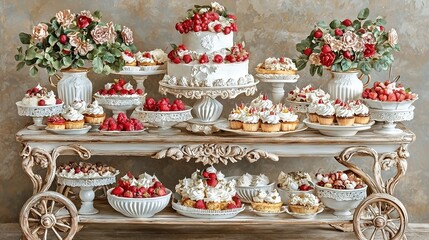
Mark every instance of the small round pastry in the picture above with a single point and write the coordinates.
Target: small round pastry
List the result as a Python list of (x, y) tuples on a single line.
[(303, 203), (325, 113), (251, 121), (361, 112), (261, 102), (94, 113), (289, 121), (270, 122), (144, 59), (345, 115), (129, 58), (74, 119), (272, 65), (56, 122), (267, 201)]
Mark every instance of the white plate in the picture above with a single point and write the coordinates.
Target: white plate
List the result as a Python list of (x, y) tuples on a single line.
[(339, 131), (404, 105), (268, 214), (206, 214), (278, 78), (122, 133), (83, 130), (304, 215), (225, 127)]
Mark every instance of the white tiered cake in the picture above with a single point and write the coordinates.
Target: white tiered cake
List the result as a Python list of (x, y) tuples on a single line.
[(208, 56)]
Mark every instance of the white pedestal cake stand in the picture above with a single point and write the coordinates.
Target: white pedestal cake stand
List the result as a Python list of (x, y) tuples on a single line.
[(119, 104), (38, 113), (141, 76), (86, 193), (390, 118), (277, 83), (207, 109)]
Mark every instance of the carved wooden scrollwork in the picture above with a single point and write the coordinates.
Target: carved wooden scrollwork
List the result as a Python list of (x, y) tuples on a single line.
[(382, 162), (214, 153), (39, 157)]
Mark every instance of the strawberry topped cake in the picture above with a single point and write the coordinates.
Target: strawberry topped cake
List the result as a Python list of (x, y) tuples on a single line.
[(273, 65), (118, 88), (56, 122), (130, 60), (208, 189), (208, 56), (40, 96), (85, 170)]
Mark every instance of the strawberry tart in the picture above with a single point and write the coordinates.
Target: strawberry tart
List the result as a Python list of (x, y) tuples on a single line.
[(130, 61), (267, 201), (39, 96), (208, 189), (208, 56), (272, 65), (85, 170), (56, 122), (151, 60)]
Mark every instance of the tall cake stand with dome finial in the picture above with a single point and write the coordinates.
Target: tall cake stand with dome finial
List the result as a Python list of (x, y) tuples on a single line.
[(277, 82), (207, 109)]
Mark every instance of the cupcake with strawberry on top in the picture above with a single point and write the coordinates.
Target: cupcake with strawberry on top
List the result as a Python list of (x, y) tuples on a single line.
[(361, 112), (270, 121), (251, 120), (325, 113), (345, 115), (289, 120), (235, 118), (130, 61)]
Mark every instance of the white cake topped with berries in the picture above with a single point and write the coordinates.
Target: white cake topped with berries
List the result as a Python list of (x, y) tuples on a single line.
[(208, 56)]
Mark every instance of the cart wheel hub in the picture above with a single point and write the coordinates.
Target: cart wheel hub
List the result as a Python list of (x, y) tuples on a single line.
[(48, 220), (379, 222)]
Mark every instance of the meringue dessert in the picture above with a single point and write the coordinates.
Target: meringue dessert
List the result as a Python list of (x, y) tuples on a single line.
[(267, 201), (304, 203), (273, 65)]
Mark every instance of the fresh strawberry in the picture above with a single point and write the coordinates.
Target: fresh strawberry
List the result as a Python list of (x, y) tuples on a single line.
[(58, 101), (373, 95), (217, 28), (237, 201), (382, 97), (205, 174), (103, 127), (212, 182), (118, 191), (218, 58), (157, 184), (212, 176), (142, 190), (187, 58), (161, 191), (133, 189), (174, 107), (128, 126), (121, 82), (111, 91), (365, 94), (231, 206), (124, 92), (151, 190), (117, 87), (128, 194), (200, 204), (131, 91), (41, 102), (77, 170), (204, 59), (227, 30), (164, 107), (119, 127), (392, 98), (176, 60)]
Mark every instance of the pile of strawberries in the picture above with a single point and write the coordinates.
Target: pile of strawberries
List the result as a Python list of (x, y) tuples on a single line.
[(163, 105), (122, 123), (237, 54), (117, 89), (387, 91), (199, 22), (124, 189)]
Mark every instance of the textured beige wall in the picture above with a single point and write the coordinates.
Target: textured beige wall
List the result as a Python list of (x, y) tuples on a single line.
[(270, 28)]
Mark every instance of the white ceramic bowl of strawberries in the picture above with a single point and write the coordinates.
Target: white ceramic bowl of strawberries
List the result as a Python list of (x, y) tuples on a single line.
[(388, 96), (340, 191), (119, 95), (139, 197), (164, 113)]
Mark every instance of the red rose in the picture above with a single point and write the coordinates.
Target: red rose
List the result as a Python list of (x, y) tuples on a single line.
[(326, 48), (83, 21), (326, 59), (369, 50)]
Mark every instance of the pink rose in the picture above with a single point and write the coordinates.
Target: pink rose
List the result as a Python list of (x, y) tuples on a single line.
[(40, 32), (127, 35), (103, 34), (65, 18)]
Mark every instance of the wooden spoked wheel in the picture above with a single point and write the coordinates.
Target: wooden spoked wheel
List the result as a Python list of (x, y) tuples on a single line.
[(380, 216), (49, 215)]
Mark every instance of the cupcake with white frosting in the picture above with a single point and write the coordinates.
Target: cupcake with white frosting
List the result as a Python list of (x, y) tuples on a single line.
[(267, 201), (325, 113), (74, 119), (361, 112), (345, 115), (94, 113), (235, 118), (288, 119), (270, 122), (251, 121), (304, 203)]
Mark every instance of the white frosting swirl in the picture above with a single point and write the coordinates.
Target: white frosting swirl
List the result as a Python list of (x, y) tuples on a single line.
[(127, 58), (79, 105), (211, 169), (259, 197), (94, 108), (282, 64), (360, 109), (260, 180), (273, 197), (245, 180), (250, 118), (287, 116), (127, 86), (72, 114), (196, 193), (306, 199), (325, 109), (142, 59), (270, 118), (344, 111)]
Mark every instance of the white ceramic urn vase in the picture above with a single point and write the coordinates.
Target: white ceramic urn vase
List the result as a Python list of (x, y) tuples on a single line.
[(346, 85), (74, 84)]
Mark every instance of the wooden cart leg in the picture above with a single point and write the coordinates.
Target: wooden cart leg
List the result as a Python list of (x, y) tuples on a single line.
[(49, 214), (380, 216)]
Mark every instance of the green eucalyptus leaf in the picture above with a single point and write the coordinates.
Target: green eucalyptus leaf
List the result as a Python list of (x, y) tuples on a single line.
[(116, 52), (97, 14), (107, 69), (97, 65), (312, 69), (67, 61), (300, 64), (52, 40), (322, 24), (304, 44), (56, 64), (80, 62), (108, 57), (335, 24), (20, 65), (33, 71), (367, 23), (320, 70), (377, 66), (356, 24), (25, 38), (30, 53), (346, 64), (363, 14), (380, 21)]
